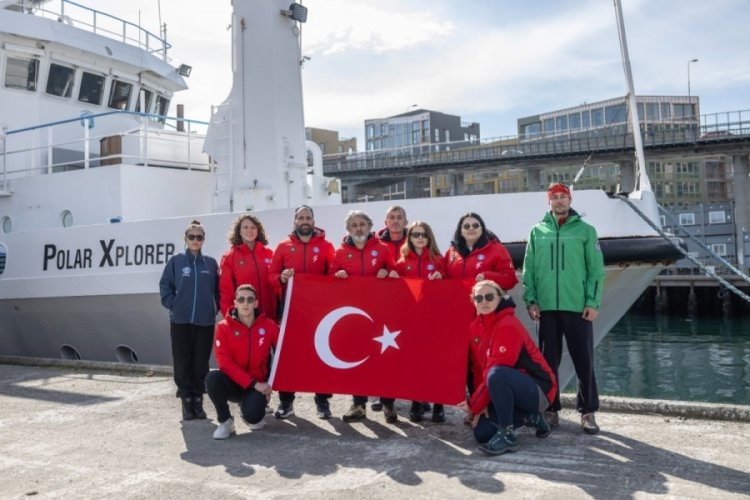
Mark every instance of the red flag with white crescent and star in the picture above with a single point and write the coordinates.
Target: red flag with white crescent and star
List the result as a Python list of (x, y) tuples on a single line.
[(398, 338)]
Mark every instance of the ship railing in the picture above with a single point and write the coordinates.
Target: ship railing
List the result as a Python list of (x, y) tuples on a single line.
[(108, 25), (128, 137)]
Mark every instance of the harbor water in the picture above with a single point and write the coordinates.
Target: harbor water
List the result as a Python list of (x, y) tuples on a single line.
[(702, 359)]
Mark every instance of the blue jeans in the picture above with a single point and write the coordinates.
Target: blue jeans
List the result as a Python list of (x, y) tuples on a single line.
[(514, 396)]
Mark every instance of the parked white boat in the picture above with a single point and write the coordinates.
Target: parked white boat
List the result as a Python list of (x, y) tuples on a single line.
[(94, 197)]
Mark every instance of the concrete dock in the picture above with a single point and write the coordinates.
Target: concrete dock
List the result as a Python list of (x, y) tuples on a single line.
[(88, 433)]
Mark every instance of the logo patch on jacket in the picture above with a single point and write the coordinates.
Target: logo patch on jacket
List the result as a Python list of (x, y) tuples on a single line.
[(186, 271), (502, 349), (262, 331), (430, 267), (374, 253), (218, 343), (480, 257), (316, 249)]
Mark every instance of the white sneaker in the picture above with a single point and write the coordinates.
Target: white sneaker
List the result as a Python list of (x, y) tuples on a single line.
[(255, 427), (225, 429)]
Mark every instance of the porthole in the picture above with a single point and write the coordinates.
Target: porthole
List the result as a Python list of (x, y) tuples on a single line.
[(3, 254), (125, 354), (67, 218), (7, 224)]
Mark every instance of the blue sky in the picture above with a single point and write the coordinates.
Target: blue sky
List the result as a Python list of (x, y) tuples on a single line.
[(489, 61)]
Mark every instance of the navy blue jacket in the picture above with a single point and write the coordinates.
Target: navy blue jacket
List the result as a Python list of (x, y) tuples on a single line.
[(189, 288)]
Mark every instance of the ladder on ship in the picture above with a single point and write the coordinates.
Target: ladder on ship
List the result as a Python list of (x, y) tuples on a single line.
[(706, 269)]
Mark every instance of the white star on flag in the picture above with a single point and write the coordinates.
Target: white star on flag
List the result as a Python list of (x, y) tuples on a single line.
[(388, 339)]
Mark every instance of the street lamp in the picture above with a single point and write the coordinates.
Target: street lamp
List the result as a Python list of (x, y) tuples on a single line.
[(688, 73)]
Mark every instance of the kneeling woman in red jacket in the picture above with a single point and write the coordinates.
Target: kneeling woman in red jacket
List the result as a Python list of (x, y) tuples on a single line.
[(514, 384), (242, 345)]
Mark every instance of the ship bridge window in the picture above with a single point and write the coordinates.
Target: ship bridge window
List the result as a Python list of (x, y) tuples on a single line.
[(162, 106), (147, 97), (3, 254), (92, 88), (119, 96), (60, 80), (21, 73)]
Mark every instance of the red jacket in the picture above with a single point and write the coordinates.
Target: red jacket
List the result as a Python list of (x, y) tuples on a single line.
[(395, 246), (366, 262), (492, 260), (244, 353), (313, 257), (419, 266), (500, 338), (239, 266)]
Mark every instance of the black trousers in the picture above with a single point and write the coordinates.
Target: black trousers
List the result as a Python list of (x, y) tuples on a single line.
[(191, 350), (222, 390), (579, 336)]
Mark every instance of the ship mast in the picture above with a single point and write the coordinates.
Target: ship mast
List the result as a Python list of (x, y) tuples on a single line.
[(644, 184)]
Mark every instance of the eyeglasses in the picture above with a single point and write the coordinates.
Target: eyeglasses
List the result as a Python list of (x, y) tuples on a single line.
[(242, 299), (417, 234), (489, 297), (196, 237), (473, 225)]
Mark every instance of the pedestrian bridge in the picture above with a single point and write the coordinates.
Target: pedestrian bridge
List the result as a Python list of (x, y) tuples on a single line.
[(725, 133)]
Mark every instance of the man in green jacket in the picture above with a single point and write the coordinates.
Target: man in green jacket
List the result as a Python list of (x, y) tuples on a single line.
[(563, 277)]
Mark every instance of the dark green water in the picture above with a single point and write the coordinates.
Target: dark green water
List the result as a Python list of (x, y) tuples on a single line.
[(676, 358)]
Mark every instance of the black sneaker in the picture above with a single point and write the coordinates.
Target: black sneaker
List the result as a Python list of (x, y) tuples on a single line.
[(438, 413), (187, 409), (285, 410), (377, 406), (198, 410), (538, 422), (355, 413), (323, 409), (416, 412), (390, 413)]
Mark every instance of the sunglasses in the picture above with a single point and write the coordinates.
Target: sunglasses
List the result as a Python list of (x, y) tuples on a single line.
[(195, 237), (489, 297), (417, 234), (242, 299), (473, 225)]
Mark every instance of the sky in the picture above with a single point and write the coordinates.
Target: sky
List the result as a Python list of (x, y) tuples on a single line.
[(488, 61)]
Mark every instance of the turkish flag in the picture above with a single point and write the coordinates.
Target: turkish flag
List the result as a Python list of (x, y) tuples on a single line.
[(396, 338)]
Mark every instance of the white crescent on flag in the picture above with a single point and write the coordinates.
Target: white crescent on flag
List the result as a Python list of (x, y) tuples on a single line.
[(323, 337)]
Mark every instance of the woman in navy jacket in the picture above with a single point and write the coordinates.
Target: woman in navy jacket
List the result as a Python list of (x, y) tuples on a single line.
[(189, 288)]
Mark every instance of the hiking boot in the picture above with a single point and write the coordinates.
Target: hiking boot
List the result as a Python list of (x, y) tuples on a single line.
[(503, 441), (588, 424), (438, 414), (390, 413), (323, 408), (225, 429), (355, 414), (187, 409), (427, 407), (377, 405), (198, 408), (537, 421), (285, 410), (416, 412), (553, 419)]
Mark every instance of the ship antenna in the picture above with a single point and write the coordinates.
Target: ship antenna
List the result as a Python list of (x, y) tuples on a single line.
[(643, 182)]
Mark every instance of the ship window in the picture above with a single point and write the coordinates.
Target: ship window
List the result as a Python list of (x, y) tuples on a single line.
[(119, 96), (147, 98), (719, 249), (21, 73), (60, 80), (3, 253), (7, 224), (66, 217), (162, 106), (92, 88)]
